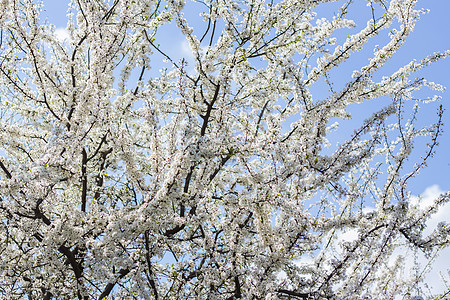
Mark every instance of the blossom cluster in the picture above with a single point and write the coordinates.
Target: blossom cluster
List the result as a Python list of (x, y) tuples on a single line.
[(211, 178)]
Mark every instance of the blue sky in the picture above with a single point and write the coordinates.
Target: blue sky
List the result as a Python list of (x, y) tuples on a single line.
[(432, 34)]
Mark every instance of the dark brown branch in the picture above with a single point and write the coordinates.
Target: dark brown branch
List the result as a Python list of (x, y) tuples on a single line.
[(72, 69), (149, 265), (222, 163), (188, 179), (186, 189), (303, 296), (47, 294), (428, 154), (207, 28), (260, 117), (83, 180), (5, 170), (159, 50), (83, 13), (208, 111), (99, 178), (237, 288), (98, 148), (71, 259), (140, 78), (54, 83), (289, 135), (110, 286), (72, 73), (110, 11), (178, 228), (212, 33), (77, 268), (41, 81), (16, 85), (174, 230), (250, 215)]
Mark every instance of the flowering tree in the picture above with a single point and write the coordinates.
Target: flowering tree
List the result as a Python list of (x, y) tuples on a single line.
[(211, 179)]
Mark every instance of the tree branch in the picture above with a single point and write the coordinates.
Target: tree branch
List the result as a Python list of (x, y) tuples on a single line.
[(83, 180), (208, 111), (110, 286), (5, 170)]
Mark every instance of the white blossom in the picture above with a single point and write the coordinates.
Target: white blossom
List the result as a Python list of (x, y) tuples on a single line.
[(216, 177)]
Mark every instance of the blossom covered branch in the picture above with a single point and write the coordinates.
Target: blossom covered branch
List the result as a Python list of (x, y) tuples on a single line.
[(211, 178)]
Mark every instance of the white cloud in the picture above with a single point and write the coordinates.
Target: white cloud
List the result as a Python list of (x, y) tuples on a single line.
[(425, 200), (185, 49), (437, 274), (428, 196), (62, 34), (441, 266), (186, 53), (435, 279)]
